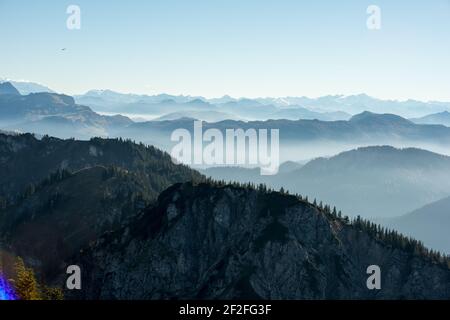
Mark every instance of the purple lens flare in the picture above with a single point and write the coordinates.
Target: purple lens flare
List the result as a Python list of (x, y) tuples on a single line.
[(6, 291)]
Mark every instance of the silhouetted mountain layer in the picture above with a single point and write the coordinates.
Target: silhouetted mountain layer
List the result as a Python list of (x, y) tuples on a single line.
[(296, 113), (59, 115), (442, 118), (210, 116), (7, 88), (365, 128), (371, 181), (430, 224), (110, 101), (168, 106), (225, 242), (253, 175), (27, 87), (54, 114)]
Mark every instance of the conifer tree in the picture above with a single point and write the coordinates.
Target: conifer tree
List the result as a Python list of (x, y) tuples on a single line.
[(25, 283), (52, 294)]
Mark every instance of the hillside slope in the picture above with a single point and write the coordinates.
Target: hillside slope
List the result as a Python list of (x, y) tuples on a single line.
[(64, 213), (26, 160), (57, 195)]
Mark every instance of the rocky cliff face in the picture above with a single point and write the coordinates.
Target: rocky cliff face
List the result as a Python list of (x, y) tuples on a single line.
[(207, 242)]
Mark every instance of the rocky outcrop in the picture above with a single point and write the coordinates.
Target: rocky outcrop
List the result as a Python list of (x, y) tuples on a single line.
[(209, 242)]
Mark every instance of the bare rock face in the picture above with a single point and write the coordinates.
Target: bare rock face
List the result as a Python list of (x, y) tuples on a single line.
[(225, 242)]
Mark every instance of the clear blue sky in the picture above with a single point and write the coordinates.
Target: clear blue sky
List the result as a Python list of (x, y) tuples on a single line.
[(242, 48)]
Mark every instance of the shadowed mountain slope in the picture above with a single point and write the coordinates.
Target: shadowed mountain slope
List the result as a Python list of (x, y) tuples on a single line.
[(227, 242)]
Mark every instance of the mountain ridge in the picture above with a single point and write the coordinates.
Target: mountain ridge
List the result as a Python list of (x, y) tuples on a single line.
[(27, 87), (254, 245), (376, 181), (442, 118), (55, 114), (351, 104), (25, 160)]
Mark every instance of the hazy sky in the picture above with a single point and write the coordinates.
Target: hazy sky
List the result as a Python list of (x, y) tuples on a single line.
[(242, 48)]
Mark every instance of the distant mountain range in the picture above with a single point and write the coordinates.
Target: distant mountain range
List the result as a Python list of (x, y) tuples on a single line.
[(59, 115), (331, 107), (26, 87), (336, 107), (53, 114), (326, 108), (208, 116), (307, 139), (371, 182), (167, 107)]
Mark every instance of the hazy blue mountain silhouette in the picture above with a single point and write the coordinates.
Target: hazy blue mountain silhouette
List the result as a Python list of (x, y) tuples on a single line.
[(367, 127), (442, 118), (377, 181), (430, 224), (107, 100), (6, 88), (27, 87), (54, 114)]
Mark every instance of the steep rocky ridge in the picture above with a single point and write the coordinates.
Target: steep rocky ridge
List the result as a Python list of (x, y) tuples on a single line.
[(212, 241)]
